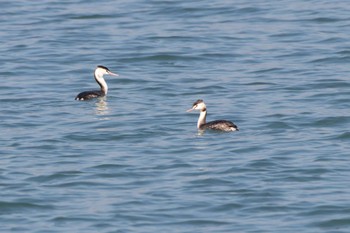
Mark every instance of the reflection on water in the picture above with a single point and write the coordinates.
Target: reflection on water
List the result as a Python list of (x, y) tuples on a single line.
[(101, 106), (200, 132)]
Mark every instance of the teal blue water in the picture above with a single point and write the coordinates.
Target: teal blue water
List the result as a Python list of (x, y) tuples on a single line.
[(134, 161)]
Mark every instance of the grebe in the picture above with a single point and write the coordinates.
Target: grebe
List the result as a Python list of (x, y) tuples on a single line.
[(221, 125), (99, 72)]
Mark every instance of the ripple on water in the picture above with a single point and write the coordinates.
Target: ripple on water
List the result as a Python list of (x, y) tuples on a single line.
[(18, 207), (134, 161)]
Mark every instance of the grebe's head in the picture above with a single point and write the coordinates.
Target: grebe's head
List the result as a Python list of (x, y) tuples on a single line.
[(101, 70), (198, 105)]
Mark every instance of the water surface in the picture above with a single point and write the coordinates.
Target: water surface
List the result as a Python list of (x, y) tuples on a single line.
[(134, 161)]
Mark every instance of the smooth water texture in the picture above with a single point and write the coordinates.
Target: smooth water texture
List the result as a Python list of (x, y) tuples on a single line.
[(134, 161)]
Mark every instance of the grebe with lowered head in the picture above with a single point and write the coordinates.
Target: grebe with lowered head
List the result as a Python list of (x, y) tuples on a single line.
[(221, 125), (99, 72)]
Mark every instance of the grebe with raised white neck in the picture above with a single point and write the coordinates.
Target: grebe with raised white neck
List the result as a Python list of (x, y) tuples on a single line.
[(221, 125), (99, 72)]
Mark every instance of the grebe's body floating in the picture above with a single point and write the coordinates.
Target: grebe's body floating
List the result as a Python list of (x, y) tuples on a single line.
[(99, 72), (221, 125)]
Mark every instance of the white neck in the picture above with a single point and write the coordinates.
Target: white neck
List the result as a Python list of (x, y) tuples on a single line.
[(202, 118), (101, 81)]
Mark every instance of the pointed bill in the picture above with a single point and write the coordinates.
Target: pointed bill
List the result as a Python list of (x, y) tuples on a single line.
[(111, 73)]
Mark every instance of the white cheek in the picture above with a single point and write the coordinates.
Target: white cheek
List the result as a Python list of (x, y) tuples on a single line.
[(199, 106)]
